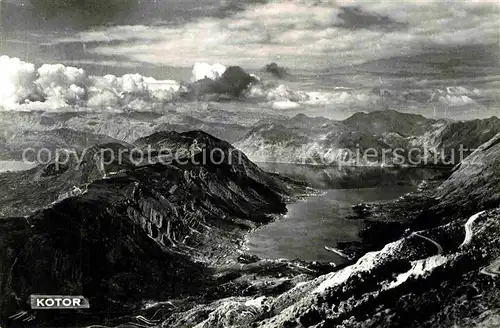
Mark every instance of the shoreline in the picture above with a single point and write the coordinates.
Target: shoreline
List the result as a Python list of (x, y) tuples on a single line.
[(372, 227)]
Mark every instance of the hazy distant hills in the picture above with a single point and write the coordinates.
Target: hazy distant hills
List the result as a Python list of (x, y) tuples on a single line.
[(320, 141), (124, 233), (299, 139)]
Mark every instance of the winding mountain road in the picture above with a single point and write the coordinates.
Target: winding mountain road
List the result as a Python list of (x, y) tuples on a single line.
[(439, 247), (468, 229), (493, 269)]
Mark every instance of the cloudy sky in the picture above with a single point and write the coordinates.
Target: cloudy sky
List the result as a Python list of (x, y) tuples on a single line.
[(300, 34)]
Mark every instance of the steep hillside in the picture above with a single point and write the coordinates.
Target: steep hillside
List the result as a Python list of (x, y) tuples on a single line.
[(475, 182), (28, 191), (128, 234), (373, 139), (442, 276), (127, 222), (379, 290)]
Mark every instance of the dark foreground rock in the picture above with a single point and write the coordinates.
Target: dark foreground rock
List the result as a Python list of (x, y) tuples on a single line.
[(134, 232), (150, 232), (408, 283), (444, 275)]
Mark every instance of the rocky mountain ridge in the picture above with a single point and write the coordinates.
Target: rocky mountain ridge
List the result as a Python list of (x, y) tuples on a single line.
[(141, 230), (129, 221), (440, 276), (387, 138)]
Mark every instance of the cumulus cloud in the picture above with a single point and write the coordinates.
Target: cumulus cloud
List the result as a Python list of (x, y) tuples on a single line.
[(16, 80), (276, 92), (204, 70), (62, 84), (56, 86), (307, 33)]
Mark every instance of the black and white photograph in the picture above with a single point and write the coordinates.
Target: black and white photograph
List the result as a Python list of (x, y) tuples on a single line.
[(250, 164)]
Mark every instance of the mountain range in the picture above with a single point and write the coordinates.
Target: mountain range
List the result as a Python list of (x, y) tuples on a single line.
[(160, 244)]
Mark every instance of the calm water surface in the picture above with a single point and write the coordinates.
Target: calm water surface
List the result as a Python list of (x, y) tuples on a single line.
[(316, 222)]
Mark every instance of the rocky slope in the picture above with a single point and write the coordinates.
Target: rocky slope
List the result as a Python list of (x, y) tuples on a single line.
[(408, 283), (383, 137), (132, 231), (477, 176), (442, 275), (31, 190), (131, 235)]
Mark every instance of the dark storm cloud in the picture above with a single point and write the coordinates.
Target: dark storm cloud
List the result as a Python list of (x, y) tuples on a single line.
[(62, 14), (81, 12), (355, 18)]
